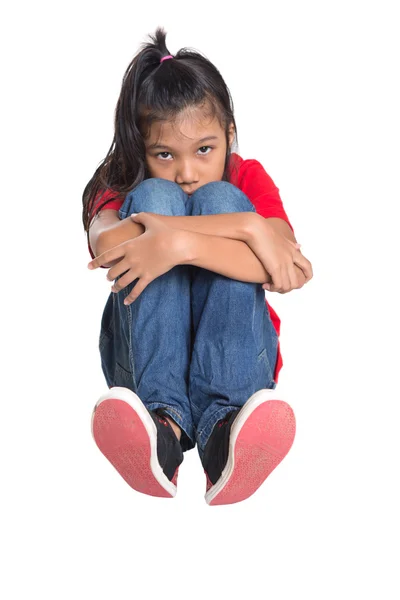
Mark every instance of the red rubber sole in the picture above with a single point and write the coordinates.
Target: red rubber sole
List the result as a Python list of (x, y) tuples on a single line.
[(261, 443), (122, 437)]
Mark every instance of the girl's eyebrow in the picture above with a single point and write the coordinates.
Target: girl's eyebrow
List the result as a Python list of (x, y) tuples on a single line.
[(204, 139)]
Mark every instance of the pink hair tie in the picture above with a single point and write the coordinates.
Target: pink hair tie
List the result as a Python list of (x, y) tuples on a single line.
[(165, 57)]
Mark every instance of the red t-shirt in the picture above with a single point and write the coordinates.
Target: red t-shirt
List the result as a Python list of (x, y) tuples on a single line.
[(250, 177)]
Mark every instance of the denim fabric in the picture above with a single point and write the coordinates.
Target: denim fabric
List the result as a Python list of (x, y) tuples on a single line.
[(195, 342)]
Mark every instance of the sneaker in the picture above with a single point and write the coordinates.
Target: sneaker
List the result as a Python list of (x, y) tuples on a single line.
[(139, 443), (245, 447)]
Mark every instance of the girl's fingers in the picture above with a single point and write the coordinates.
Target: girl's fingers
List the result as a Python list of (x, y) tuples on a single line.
[(124, 281), (137, 290), (305, 265), (107, 257), (116, 270), (294, 283), (286, 282)]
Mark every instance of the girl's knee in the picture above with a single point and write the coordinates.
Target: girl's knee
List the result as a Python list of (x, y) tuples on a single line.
[(218, 186), (222, 196), (156, 195), (155, 185)]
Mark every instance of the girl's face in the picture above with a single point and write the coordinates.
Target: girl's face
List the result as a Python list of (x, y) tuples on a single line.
[(189, 151)]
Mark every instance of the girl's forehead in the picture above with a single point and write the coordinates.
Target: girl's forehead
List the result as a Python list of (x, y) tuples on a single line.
[(187, 127)]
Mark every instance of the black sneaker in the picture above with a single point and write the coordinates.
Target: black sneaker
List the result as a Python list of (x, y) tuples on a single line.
[(217, 448), (246, 446), (139, 443), (169, 449)]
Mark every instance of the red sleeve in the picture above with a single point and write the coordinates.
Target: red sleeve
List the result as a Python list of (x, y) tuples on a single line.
[(258, 186), (114, 204)]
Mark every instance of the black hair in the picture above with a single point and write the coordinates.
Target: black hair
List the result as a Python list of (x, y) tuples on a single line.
[(153, 91)]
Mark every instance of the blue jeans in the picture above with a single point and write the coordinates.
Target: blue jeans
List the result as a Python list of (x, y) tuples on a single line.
[(195, 342)]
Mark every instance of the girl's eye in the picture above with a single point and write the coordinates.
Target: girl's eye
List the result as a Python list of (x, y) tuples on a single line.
[(205, 147), (202, 153)]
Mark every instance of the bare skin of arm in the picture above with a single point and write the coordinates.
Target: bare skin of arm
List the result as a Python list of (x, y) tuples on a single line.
[(221, 239)]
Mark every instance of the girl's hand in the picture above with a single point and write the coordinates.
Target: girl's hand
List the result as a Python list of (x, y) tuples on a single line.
[(145, 257), (281, 258)]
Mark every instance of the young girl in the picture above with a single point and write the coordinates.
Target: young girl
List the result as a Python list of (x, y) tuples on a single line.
[(189, 231)]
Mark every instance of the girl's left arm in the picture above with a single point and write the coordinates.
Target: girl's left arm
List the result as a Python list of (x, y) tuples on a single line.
[(235, 226), (281, 226), (272, 240), (229, 257)]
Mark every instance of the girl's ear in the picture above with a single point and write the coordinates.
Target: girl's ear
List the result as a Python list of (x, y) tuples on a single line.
[(231, 133)]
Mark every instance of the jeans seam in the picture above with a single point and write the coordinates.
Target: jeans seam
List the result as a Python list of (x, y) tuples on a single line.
[(131, 361)]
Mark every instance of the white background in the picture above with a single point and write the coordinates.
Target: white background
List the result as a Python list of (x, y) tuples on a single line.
[(315, 90)]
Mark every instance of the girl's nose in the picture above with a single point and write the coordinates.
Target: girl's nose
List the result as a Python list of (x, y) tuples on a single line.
[(187, 177)]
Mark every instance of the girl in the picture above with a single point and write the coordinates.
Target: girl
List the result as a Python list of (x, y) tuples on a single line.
[(188, 230)]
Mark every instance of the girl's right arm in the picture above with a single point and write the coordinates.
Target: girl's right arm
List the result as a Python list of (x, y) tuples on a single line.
[(107, 230)]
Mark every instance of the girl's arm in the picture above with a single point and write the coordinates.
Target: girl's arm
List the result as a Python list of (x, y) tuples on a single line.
[(113, 230), (231, 258), (107, 230), (281, 226), (235, 226), (225, 255)]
